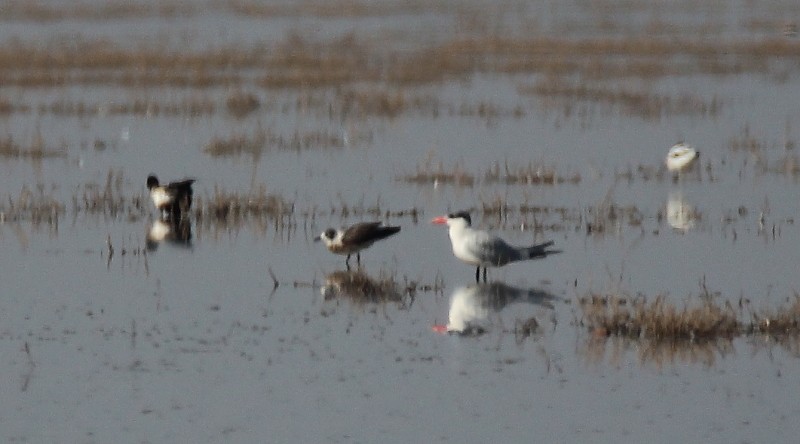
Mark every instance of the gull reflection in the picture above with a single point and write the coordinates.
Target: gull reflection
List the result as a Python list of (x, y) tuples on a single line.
[(680, 214), (178, 233), (471, 306)]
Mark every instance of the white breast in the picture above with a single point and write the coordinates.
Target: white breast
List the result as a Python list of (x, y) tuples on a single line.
[(160, 197)]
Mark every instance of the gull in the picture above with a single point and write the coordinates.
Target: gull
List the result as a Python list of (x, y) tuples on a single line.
[(482, 249), (681, 156), (355, 238), (172, 199)]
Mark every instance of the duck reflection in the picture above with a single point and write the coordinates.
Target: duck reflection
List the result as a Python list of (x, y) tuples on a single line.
[(360, 287), (680, 214), (471, 306), (174, 232)]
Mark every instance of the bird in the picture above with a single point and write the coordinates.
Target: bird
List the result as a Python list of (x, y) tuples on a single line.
[(482, 249), (173, 199), (681, 156), (355, 238)]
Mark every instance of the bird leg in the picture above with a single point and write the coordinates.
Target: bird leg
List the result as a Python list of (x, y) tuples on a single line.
[(484, 274), (358, 258), (478, 274), (347, 261)]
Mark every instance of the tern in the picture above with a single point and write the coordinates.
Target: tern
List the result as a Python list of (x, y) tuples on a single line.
[(479, 248), (172, 199), (355, 238), (681, 156)]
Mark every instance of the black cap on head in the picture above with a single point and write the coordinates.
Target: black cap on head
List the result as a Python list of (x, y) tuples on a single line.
[(462, 214), (152, 181), (330, 233)]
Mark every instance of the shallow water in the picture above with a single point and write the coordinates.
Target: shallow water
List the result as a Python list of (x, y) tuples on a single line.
[(195, 341)]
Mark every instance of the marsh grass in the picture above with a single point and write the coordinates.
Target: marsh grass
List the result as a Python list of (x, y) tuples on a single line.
[(641, 103), (431, 172), (697, 320), (37, 206), (296, 62), (109, 199), (240, 104), (531, 174), (232, 208), (261, 140), (191, 107), (36, 150)]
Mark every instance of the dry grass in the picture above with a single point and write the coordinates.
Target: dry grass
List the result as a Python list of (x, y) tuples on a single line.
[(262, 140), (37, 206), (698, 320), (435, 173), (644, 104), (112, 10), (109, 199), (298, 63), (232, 208), (430, 174), (531, 174), (658, 319), (36, 150), (145, 107), (241, 104)]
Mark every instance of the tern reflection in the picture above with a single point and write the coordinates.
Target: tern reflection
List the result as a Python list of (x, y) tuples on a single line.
[(178, 233), (680, 214), (471, 307)]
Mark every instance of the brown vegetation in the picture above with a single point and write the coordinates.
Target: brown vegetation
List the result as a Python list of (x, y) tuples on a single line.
[(263, 140), (697, 320), (36, 150)]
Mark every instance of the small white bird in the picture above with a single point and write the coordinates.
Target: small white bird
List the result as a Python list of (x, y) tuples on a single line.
[(681, 156), (355, 238), (173, 199), (479, 248)]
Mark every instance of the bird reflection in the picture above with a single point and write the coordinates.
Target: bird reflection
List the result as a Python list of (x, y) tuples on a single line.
[(680, 214), (173, 232), (471, 306), (360, 287)]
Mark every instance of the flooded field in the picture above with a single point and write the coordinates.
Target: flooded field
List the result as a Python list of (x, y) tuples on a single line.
[(671, 312)]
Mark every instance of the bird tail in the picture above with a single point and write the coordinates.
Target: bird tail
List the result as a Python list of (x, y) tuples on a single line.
[(538, 251), (387, 231)]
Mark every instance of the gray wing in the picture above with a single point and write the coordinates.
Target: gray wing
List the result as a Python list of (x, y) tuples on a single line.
[(493, 250)]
